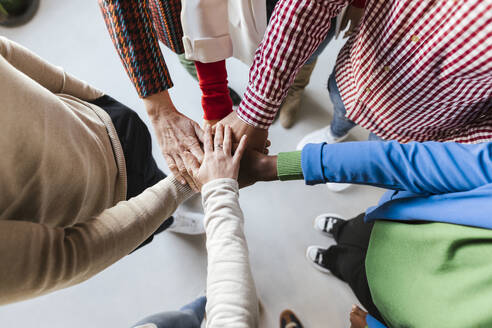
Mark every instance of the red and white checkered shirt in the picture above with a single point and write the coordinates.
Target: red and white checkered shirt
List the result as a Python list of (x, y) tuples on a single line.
[(416, 70)]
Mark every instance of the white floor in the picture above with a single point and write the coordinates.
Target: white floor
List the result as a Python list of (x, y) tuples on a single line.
[(172, 270)]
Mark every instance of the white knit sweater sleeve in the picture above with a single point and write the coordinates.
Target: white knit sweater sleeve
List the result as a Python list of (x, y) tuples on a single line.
[(231, 292)]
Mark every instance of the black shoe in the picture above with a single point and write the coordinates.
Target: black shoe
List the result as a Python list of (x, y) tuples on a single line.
[(236, 99), (17, 12)]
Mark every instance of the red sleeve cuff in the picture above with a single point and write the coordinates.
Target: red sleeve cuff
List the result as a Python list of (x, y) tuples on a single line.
[(216, 101)]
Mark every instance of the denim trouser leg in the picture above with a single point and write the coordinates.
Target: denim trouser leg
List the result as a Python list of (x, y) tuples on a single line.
[(324, 43), (374, 137), (197, 307), (340, 125), (189, 316)]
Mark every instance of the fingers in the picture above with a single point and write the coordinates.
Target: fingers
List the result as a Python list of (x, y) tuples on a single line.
[(268, 143), (198, 131), (174, 169), (207, 140), (181, 169), (192, 164), (219, 136), (240, 149), (197, 151), (227, 141)]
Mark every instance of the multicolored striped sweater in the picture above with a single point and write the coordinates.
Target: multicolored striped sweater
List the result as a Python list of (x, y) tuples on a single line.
[(135, 28)]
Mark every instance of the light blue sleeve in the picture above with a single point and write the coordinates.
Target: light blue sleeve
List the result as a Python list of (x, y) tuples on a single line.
[(421, 168)]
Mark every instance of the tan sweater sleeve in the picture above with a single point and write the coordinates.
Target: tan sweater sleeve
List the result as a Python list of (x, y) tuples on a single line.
[(51, 77), (231, 292), (37, 259)]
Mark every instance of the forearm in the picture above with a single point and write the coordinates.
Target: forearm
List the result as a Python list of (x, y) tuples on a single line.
[(46, 259), (231, 293), (130, 27), (296, 28), (216, 101), (159, 105), (423, 168)]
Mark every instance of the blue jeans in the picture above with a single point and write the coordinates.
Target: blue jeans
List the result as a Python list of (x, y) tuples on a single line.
[(341, 125), (189, 316)]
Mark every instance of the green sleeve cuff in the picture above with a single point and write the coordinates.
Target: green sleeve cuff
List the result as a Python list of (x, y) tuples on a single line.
[(289, 166)]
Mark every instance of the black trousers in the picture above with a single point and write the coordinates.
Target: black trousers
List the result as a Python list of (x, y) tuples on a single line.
[(141, 169), (347, 259)]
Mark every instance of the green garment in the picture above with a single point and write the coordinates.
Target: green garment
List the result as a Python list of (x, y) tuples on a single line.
[(424, 274), (431, 274), (189, 66), (289, 166)]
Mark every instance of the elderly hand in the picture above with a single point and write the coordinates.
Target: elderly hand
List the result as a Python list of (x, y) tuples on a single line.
[(176, 134), (218, 160)]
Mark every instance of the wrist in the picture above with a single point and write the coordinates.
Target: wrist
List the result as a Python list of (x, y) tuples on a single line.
[(159, 104), (289, 166), (269, 168)]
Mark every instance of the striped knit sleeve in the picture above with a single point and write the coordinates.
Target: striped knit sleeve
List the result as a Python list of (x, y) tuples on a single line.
[(295, 31), (130, 26)]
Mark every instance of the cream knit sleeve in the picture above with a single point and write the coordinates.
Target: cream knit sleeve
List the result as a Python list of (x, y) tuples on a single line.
[(231, 292), (52, 77), (37, 259)]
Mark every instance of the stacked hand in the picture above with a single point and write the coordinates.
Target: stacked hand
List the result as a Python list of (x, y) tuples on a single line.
[(218, 159), (176, 134), (180, 137)]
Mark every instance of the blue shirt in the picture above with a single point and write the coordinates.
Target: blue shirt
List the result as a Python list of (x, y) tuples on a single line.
[(430, 181)]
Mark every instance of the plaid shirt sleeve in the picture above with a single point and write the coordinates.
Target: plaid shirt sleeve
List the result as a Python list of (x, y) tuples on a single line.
[(130, 26), (295, 31)]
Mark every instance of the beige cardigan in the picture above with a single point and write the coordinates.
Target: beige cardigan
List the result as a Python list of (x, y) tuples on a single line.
[(63, 182)]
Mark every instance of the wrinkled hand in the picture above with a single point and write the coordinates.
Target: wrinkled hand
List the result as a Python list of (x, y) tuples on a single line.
[(357, 317), (257, 138), (176, 134), (218, 160), (352, 15)]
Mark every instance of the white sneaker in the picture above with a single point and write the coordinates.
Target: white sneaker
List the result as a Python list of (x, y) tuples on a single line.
[(324, 135), (319, 136), (337, 187), (315, 257), (188, 223), (324, 222)]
